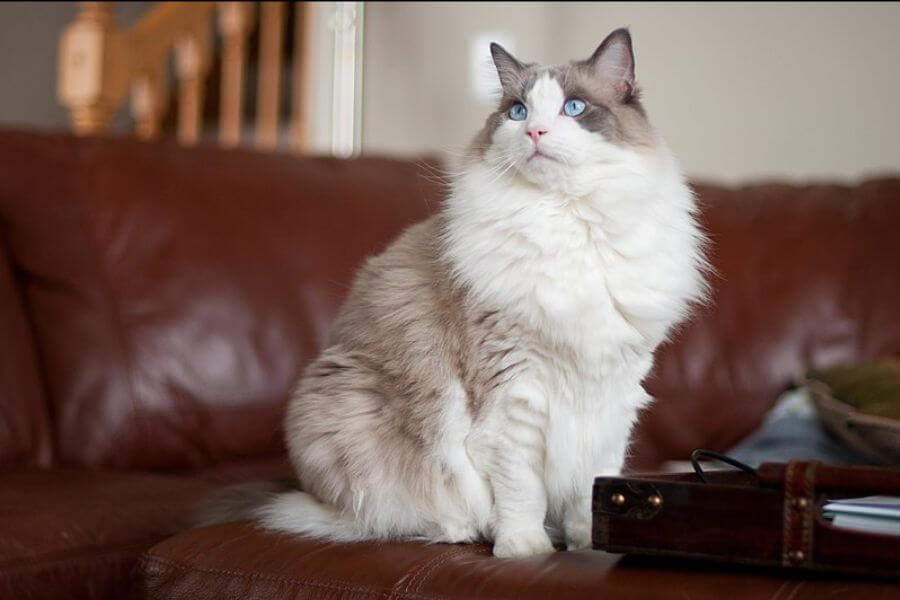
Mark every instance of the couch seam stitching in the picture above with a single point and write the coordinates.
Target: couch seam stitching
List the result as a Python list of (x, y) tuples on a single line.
[(426, 570), (414, 576)]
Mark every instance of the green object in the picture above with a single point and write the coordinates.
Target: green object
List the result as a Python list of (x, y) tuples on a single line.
[(870, 388)]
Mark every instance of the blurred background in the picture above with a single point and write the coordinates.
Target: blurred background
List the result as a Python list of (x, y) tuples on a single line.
[(741, 91)]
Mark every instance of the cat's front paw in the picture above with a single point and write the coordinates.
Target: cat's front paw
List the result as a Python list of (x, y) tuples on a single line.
[(578, 536), (522, 543), (577, 525)]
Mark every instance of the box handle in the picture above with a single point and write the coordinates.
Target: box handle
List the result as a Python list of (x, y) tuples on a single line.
[(699, 453)]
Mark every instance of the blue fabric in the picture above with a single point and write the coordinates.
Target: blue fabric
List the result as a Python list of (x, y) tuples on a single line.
[(792, 430)]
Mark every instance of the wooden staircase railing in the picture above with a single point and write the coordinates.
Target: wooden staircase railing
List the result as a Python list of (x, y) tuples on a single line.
[(101, 66)]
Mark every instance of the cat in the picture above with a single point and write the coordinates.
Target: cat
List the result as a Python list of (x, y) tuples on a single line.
[(487, 365)]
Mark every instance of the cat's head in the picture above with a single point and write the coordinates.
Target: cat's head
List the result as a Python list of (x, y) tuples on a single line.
[(556, 124)]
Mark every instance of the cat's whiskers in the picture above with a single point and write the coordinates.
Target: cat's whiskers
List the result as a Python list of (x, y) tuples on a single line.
[(499, 165), (457, 174), (497, 177), (434, 174), (498, 162)]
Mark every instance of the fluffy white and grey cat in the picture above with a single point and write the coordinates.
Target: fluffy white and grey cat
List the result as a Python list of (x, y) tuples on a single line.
[(488, 364)]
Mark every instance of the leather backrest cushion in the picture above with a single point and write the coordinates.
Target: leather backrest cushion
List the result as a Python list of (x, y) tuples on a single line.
[(807, 275), (25, 432), (177, 293)]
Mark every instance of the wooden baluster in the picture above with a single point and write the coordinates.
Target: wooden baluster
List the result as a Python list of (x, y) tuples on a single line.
[(148, 99), (234, 24), (192, 59), (92, 77), (302, 65), (271, 32)]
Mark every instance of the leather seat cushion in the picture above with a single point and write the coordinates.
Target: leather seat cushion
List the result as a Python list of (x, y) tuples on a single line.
[(79, 533), (235, 560)]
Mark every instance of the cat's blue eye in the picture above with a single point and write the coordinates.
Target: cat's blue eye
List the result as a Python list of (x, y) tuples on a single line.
[(517, 112), (574, 107)]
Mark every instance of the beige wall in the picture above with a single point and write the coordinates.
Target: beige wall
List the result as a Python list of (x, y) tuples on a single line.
[(416, 77), (741, 91)]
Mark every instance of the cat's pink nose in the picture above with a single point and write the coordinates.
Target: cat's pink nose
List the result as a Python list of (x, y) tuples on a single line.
[(535, 133)]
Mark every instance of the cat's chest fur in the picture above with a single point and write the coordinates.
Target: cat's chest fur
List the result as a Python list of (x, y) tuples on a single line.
[(570, 282), (588, 273)]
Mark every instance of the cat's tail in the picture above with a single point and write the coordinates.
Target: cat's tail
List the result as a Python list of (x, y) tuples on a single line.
[(299, 512), (279, 505)]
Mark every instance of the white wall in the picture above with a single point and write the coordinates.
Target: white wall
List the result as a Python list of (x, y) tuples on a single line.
[(741, 91), (416, 77)]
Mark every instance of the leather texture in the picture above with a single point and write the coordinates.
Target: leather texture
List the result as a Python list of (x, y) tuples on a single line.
[(159, 302), (25, 432), (234, 561), (807, 276), (76, 533), (177, 293)]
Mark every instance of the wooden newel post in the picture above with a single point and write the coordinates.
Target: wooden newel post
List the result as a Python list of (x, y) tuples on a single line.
[(92, 68)]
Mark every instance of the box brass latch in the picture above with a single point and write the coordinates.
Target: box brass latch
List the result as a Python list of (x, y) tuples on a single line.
[(634, 500)]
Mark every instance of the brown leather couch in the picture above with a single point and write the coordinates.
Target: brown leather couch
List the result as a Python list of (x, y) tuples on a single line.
[(158, 303)]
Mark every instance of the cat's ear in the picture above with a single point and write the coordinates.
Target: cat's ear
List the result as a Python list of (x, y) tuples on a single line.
[(508, 67), (613, 61)]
